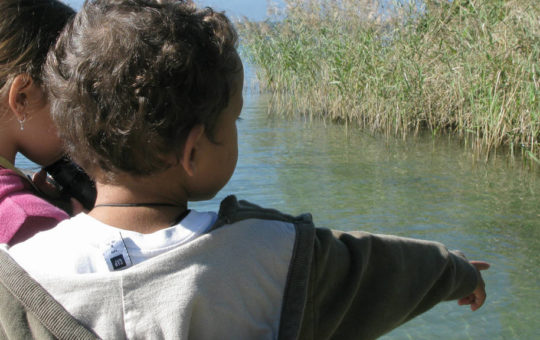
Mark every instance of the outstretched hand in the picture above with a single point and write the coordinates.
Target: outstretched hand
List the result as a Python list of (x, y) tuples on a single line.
[(477, 298)]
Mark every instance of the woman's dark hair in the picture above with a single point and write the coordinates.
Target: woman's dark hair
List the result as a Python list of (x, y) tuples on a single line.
[(28, 28), (129, 79)]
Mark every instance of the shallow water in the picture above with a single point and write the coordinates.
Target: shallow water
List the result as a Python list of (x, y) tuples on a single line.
[(431, 189)]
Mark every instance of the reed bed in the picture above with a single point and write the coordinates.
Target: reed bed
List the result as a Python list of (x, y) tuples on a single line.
[(466, 67)]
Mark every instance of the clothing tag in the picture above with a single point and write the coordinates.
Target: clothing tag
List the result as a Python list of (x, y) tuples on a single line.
[(116, 254)]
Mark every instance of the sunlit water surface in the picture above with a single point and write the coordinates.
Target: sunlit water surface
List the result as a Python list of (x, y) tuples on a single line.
[(430, 189)]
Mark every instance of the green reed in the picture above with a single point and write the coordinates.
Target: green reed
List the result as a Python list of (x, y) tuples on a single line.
[(467, 67)]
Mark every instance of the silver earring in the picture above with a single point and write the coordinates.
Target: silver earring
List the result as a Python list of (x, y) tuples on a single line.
[(21, 122)]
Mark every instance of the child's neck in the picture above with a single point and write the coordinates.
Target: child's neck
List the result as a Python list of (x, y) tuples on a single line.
[(141, 219), (143, 206)]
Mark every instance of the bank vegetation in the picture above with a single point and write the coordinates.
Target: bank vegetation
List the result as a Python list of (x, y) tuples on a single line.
[(465, 67)]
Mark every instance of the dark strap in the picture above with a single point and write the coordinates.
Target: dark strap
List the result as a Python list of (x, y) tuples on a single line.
[(7, 165), (34, 299)]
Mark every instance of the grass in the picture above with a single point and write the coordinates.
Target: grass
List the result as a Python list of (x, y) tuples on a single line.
[(466, 67)]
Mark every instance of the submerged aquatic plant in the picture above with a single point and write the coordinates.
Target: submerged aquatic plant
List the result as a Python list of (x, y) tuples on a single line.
[(469, 67)]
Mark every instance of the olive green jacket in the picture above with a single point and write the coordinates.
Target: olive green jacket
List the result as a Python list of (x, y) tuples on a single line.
[(257, 274)]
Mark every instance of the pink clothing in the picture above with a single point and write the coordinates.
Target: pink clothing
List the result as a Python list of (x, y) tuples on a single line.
[(22, 213)]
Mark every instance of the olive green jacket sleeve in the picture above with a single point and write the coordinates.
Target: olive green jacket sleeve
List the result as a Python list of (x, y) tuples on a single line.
[(339, 285), (361, 285)]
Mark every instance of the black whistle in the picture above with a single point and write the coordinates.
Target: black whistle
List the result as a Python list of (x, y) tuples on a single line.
[(73, 181)]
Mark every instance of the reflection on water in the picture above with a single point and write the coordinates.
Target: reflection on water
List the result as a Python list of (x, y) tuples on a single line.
[(426, 188)]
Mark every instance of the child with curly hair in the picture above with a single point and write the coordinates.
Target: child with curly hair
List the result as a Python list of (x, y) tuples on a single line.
[(147, 94)]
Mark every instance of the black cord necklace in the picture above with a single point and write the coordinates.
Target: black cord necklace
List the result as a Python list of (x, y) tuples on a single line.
[(149, 204)]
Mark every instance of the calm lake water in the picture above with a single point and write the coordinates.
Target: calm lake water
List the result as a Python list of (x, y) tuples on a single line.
[(430, 189)]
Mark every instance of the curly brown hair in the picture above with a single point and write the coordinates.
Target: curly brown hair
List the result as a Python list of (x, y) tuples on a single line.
[(28, 28), (128, 79)]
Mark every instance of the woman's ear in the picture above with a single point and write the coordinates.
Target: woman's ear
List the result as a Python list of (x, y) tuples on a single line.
[(191, 149), (18, 95)]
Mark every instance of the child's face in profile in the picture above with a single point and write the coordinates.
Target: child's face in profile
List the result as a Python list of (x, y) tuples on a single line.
[(222, 154), (39, 140)]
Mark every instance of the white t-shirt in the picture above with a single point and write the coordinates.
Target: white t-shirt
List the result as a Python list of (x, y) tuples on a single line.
[(83, 244)]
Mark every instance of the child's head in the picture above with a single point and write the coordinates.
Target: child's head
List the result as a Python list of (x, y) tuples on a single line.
[(129, 80), (27, 30)]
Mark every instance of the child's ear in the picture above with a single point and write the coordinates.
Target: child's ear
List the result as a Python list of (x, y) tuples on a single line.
[(191, 149), (18, 95)]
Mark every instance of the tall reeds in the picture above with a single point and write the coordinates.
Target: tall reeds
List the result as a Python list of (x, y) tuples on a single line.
[(468, 67)]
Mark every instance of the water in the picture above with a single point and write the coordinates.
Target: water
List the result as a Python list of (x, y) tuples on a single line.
[(430, 189)]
